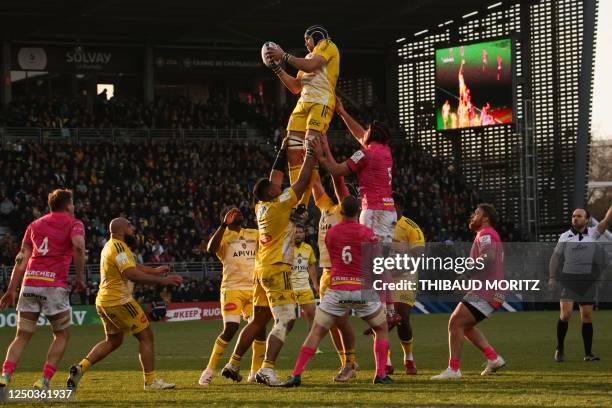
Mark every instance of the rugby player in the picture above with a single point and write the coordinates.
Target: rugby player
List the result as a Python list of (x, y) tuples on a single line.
[(347, 291), (273, 294), (577, 278), (119, 312), (236, 248), (304, 269), (316, 83), (43, 262), (478, 305)]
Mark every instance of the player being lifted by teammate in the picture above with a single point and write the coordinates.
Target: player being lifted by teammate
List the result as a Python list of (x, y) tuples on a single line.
[(273, 295), (43, 262), (348, 290), (303, 270), (119, 312), (342, 335), (236, 248), (316, 84), (478, 305)]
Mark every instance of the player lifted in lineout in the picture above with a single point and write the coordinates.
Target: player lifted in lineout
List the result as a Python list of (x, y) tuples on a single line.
[(46, 251), (119, 312), (236, 248), (349, 289), (480, 304), (273, 294), (316, 84)]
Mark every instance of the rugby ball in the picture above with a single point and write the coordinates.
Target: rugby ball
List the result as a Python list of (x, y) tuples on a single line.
[(264, 48)]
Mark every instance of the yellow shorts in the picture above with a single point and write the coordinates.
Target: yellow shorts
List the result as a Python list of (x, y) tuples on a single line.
[(304, 296), (235, 303), (310, 115), (324, 282), (272, 286), (128, 318), (405, 296)]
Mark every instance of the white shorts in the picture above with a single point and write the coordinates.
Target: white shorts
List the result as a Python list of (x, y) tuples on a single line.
[(380, 221), (48, 300), (480, 307), (339, 302)]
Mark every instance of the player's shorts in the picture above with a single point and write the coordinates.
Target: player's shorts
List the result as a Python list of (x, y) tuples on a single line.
[(324, 282), (577, 290), (340, 302), (304, 296), (405, 296), (236, 303), (128, 318), (479, 307), (48, 300), (310, 116), (381, 222), (272, 285)]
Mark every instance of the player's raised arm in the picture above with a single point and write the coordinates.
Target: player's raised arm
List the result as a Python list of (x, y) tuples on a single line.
[(21, 261), (358, 131), (336, 169), (603, 224), (303, 64), (301, 184), (215, 241), (280, 164), (293, 84)]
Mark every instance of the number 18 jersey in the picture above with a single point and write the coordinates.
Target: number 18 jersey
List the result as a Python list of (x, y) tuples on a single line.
[(344, 243)]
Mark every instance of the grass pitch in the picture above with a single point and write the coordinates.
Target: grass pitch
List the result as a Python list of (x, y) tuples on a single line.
[(526, 340)]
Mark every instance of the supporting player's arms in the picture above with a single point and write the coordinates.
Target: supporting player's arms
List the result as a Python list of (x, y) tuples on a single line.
[(78, 247), (358, 131), (138, 276), (21, 261), (280, 164), (328, 162), (603, 225), (301, 184)]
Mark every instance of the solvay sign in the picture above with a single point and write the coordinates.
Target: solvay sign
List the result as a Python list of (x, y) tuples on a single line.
[(88, 57)]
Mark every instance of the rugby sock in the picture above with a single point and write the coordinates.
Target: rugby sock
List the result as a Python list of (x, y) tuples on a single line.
[(389, 363), (381, 347), (489, 353), (8, 367), (48, 371), (343, 357), (217, 352), (235, 360), (259, 353), (561, 332), (304, 357), (268, 364), (407, 347), (453, 364), (349, 358), (587, 337), (149, 377), (85, 365)]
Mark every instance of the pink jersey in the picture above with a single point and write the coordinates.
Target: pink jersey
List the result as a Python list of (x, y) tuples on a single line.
[(344, 244), (50, 238), (373, 165), (488, 239)]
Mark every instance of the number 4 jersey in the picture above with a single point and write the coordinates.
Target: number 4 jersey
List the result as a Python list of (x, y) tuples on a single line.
[(50, 238), (344, 243)]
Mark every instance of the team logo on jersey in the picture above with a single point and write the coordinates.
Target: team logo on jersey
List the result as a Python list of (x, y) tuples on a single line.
[(244, 245), (261, 212), (484, 240), (358, 155), (143, 319)]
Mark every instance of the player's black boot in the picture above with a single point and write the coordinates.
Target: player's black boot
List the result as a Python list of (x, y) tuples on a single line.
[(230, 372), (383, 380)]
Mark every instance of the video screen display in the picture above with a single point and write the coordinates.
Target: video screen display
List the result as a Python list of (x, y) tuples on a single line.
[(474, 85)]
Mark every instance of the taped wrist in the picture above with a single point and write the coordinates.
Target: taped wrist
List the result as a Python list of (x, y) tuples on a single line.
[(280, 163)]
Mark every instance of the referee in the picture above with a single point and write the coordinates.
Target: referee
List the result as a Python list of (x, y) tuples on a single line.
[(578, 253)]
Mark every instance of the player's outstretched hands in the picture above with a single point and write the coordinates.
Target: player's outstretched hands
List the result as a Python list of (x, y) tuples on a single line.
[(163, 269), (8, 300), (316, 146), (231, 215), (275, 54), (173, 280)]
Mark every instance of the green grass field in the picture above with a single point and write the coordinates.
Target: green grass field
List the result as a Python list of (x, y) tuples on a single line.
[(526, 340)]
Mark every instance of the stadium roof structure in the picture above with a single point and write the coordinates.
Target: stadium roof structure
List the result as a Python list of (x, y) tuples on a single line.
[(354, 24)]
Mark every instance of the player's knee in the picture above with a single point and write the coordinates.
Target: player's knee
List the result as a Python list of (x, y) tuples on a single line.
[(284, 317), (61, 324), (63, 334), (586, 316), (229, 330), (25, 327), (115, 341), (565, 315)]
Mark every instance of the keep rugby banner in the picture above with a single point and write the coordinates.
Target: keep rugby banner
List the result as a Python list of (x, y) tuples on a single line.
[(179, 312)]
